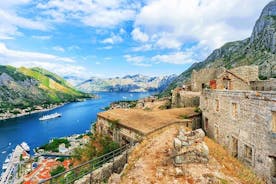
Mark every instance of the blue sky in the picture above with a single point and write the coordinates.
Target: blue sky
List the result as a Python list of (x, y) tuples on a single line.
[(108, 38)]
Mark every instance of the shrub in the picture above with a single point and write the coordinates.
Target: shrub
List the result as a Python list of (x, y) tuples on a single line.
[(198, 110), (57, 170), (184, 116), (261, 77)]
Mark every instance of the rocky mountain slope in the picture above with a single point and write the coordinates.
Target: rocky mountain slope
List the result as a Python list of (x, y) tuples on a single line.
[(22, 88), (128, 83), (259, 49)]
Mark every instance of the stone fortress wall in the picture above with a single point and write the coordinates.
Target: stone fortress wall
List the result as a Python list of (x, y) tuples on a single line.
[(245, 123)]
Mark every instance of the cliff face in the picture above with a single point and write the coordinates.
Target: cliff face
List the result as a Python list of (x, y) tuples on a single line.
[(259, 49), (263, 35)]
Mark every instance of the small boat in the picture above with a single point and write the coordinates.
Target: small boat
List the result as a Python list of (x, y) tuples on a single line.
[(7, 160), (50, 116), (3, 152), (5, 166), (10, 143), (25, 146)]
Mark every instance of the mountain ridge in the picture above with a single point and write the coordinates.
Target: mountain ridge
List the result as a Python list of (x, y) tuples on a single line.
[(127, 83)]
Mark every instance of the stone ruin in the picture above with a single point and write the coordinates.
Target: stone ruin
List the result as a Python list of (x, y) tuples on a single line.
[(189, 147)]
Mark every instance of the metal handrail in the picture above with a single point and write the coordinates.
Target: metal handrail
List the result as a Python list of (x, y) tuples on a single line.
[(98, 161)]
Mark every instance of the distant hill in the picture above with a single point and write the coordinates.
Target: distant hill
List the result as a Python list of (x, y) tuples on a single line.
[(128, 83), (23, 87), (259, 49)]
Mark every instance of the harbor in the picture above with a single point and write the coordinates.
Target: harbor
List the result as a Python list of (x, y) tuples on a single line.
[(12, 164)]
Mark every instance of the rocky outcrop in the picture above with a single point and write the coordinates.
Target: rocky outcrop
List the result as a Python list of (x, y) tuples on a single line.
[(259, 49), (189, 147)]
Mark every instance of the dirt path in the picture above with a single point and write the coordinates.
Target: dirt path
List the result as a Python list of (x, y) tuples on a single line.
[(150, 163)]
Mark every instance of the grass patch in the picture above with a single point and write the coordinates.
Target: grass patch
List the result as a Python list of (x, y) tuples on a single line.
[(184, 116), (232, 166)]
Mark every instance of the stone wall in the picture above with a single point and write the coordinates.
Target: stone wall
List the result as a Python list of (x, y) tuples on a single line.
[(104, 172), (242, 121), (203, 77), (117, 132), (264, 85), (248, 73), (181, 98), (231, 81), (238, 78)]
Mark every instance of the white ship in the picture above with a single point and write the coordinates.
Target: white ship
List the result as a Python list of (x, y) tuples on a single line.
[(25, 146), (50, 116)]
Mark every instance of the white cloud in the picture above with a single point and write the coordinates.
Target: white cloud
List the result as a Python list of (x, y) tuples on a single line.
[(145, 47), (73, 47), (105, 47), (137, 60), (100, 14), (122, 31), (42, 37), (171, 24), (139, 36), (166, 42), (108, 18), (11, 20), (61, 65), (174, 58), (113, 39), (24, 56), (58, 48)]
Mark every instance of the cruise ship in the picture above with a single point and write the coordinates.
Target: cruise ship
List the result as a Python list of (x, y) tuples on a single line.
[(50, 116)]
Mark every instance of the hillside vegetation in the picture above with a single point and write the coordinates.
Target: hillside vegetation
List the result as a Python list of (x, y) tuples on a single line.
[(22, 88)]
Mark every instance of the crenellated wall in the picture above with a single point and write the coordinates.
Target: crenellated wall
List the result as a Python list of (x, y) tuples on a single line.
[(264, 85)]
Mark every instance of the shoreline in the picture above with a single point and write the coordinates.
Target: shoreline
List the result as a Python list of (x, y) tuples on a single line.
[(32, 112), (43, 110)]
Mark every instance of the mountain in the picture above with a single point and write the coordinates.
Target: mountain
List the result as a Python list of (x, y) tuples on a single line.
[(22, 88), (259, 49), (74, 80), (128, 83)]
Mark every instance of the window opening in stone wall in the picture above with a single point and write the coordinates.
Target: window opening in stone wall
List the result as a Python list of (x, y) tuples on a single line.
[(273, 121), (216, 132), (234, 110), (248, 153), (206, 123), (273, 168), (235, 148), (217, 105)]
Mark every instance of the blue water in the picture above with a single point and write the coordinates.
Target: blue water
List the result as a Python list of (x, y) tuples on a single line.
[(76, 118)]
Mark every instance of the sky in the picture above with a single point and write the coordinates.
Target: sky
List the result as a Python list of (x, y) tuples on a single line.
[(108, 38)]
